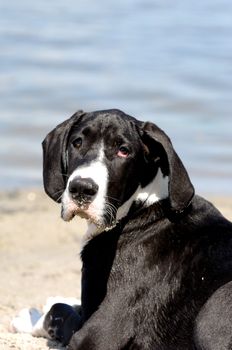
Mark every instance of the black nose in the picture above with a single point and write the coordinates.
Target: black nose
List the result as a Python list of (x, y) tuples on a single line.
[(83, 189)]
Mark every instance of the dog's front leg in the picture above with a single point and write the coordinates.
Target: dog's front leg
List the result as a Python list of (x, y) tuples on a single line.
[(96, 338), (107, 329), (85, 339)]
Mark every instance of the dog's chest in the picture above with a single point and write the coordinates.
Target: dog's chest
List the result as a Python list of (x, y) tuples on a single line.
[(129, 272), (124, 261)]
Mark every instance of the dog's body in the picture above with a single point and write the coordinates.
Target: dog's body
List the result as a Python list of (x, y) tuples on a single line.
[(157, 260)]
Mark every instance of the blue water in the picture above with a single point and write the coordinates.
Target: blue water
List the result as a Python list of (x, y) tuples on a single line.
[(161, 60)]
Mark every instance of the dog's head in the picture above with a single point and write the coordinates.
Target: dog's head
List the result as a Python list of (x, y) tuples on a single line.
[(99, 163)]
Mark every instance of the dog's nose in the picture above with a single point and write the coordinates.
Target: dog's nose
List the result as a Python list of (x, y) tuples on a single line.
[(83, 189)]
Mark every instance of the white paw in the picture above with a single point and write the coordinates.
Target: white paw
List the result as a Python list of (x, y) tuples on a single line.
[(25, 321)]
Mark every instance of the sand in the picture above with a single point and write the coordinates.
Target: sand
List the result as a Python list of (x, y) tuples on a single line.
[(39, 257)]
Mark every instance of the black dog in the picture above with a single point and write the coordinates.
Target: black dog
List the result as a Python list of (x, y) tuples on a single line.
[(157, 259)]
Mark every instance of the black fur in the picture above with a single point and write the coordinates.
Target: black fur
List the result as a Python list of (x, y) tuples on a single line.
[(62, 321), (160, 279)]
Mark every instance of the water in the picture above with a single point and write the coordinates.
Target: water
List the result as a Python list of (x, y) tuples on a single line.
[(161, 60)]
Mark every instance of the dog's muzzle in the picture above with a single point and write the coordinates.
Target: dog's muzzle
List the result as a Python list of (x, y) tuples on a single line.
[(85, 193), (82, 190)]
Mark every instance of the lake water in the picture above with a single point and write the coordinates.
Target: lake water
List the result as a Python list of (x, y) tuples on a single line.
[(161, 60)]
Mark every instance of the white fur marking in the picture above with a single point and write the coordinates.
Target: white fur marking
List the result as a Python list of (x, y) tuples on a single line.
[(97, 171), (153, 192)]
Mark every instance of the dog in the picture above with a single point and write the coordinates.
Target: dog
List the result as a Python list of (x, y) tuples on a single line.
[(157, 259)]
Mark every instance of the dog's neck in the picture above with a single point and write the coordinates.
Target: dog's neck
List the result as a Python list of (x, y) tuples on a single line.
[(155, 191), (148, 195)]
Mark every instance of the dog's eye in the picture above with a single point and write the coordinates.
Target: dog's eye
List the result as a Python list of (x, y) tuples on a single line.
[(77, 143), (123, 152)]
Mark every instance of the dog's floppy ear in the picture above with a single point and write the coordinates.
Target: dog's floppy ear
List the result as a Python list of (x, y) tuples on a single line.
[(55, 159), (180, 188)]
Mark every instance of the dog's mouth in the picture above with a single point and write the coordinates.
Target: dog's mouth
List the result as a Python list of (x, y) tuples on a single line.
[(68, 212), (82, 210)]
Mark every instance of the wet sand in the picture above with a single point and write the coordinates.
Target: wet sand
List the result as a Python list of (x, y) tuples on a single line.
[(39, 257)]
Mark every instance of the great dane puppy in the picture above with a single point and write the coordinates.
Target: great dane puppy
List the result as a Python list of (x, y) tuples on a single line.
[(157, 259)]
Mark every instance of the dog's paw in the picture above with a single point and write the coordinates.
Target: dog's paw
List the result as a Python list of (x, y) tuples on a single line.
[(61, 322), (25, 321), (36, 323)]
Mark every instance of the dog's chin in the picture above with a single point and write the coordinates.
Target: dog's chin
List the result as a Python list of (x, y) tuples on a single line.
[(100, 224), (68, 213)]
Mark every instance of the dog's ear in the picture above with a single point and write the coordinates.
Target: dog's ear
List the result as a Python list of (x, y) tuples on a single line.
[(55, 157), (161, 152)]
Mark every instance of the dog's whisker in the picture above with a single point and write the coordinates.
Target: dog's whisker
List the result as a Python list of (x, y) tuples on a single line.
[(58, 199), (111, 211), (111, 205), (56, 193), (64, 175), (115, 199)]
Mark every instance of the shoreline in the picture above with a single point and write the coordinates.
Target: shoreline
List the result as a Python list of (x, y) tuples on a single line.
[(39, 257)]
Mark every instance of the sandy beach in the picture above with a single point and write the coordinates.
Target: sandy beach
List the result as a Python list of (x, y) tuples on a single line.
[(39, 257)]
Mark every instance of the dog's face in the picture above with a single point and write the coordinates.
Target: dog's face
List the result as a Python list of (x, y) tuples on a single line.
[(100, 163), (105, 158)]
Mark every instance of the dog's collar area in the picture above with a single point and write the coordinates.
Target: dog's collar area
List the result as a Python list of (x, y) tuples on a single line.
[(160, 209), (155, 212), (157, 208)]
